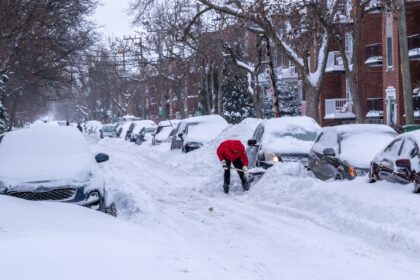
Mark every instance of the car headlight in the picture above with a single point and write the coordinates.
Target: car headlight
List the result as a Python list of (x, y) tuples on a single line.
[(93, 199), (272, 157), (355, 172)]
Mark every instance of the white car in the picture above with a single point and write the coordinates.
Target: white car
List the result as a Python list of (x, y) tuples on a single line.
[(54, 164), (345, 151), (192, 133), (109, 130), (164, 132), (283, 139)]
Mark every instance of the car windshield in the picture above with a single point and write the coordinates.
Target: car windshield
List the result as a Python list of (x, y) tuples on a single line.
[(150, 129), (108, 128), (301, 134), (360, 148)]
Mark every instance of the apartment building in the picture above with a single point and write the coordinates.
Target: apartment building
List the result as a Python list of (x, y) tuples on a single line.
[(378, 72)]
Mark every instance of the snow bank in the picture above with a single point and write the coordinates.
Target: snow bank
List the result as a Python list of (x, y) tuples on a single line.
[(385, 214)]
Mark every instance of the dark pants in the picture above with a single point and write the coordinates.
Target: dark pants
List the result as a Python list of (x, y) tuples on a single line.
[(237, 163)]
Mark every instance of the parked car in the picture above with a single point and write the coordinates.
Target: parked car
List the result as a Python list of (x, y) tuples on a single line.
[(284, 139), (53, 164), (93, 127), (109, 130), (164, 132), (122, 128), (345, 151), (143, 131), (192, 133), (399, 162)]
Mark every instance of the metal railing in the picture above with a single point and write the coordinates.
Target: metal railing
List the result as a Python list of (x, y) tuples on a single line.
[(338, 106)]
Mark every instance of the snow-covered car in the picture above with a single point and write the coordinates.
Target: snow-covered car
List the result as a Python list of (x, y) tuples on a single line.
[(399, 162), (122, 128), (109, 130), (93, 127), (164, 132), (345, 151), (285, 139), (141, 131), (53, 164), (192, 133)]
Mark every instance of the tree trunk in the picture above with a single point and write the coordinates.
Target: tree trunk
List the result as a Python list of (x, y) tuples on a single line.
[(220, 92), (207, 91), (273, 84), (405, 62), (312, 101), (180, 102), (213, 93), (256, 98)]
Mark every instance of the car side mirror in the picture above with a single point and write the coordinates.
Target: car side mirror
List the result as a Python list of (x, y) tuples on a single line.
[(101, 157), (329, 152), (252, 142), (180, 135), (403, 163)]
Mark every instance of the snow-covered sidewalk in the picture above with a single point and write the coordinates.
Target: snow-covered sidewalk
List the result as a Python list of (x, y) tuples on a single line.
[(176, 223)]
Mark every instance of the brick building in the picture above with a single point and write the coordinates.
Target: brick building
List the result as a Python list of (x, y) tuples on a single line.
[(378, 72)]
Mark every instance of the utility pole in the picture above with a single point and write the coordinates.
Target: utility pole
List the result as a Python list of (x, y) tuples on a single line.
[(405, 62)]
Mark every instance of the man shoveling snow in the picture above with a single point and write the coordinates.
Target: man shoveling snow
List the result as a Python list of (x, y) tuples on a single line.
[(232, 151)]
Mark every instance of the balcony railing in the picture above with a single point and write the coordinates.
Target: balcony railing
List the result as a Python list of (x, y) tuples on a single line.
[(414, 47), (339, 108), (375, 108), (374, 55), (374, 6), (334, 62)]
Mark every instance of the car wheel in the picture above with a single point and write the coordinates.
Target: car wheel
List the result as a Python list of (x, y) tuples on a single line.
[(372, 177), (112, 209), (339, 176)]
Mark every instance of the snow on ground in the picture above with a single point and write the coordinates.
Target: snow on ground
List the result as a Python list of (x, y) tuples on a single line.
[(176, 223)]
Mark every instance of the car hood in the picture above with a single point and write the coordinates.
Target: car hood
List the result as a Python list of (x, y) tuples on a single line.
[(27, 170)]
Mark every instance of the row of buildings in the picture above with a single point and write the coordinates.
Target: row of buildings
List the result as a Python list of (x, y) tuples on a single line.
[(378, 74)]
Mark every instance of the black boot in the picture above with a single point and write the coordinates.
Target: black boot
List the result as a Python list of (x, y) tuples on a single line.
[(245, 184), (226, 188)]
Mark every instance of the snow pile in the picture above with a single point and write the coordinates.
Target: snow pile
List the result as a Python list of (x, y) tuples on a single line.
[(385, 214)]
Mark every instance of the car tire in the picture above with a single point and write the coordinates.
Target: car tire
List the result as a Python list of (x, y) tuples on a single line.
[(111, 210), (372, 177)]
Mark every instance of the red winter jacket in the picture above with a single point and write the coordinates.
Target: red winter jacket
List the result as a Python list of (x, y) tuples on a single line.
[(232, 150)]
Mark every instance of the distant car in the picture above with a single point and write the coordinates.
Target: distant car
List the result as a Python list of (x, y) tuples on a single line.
[(122, 128), (285, 139), (164, 132), (345, 151), (109, 130), (399, 161), (93, 127), (53, 164), (192, 133), (141, 130)]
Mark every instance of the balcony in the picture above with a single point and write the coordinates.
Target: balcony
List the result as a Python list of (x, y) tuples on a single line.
[(375, 108), (339, 108), (334, 62), (374, 6), (414, 47), (374, 55)]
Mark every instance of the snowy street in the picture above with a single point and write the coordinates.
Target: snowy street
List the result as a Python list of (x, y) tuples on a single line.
[(175, 222)]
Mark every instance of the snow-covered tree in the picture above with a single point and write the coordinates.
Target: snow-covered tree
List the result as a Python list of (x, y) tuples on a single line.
[(290, 103), (3, 118), (236, 103)]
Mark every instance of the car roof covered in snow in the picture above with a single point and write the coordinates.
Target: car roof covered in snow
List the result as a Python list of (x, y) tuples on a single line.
[(363, 128), (291, 123), (44, 153), (138, 125), (169, 123), (204, 128)]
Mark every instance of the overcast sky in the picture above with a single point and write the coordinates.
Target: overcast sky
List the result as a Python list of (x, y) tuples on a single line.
[(112, 18)]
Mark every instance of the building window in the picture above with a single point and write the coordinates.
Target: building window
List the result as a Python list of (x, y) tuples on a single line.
[(390, 62), (349, 46)]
